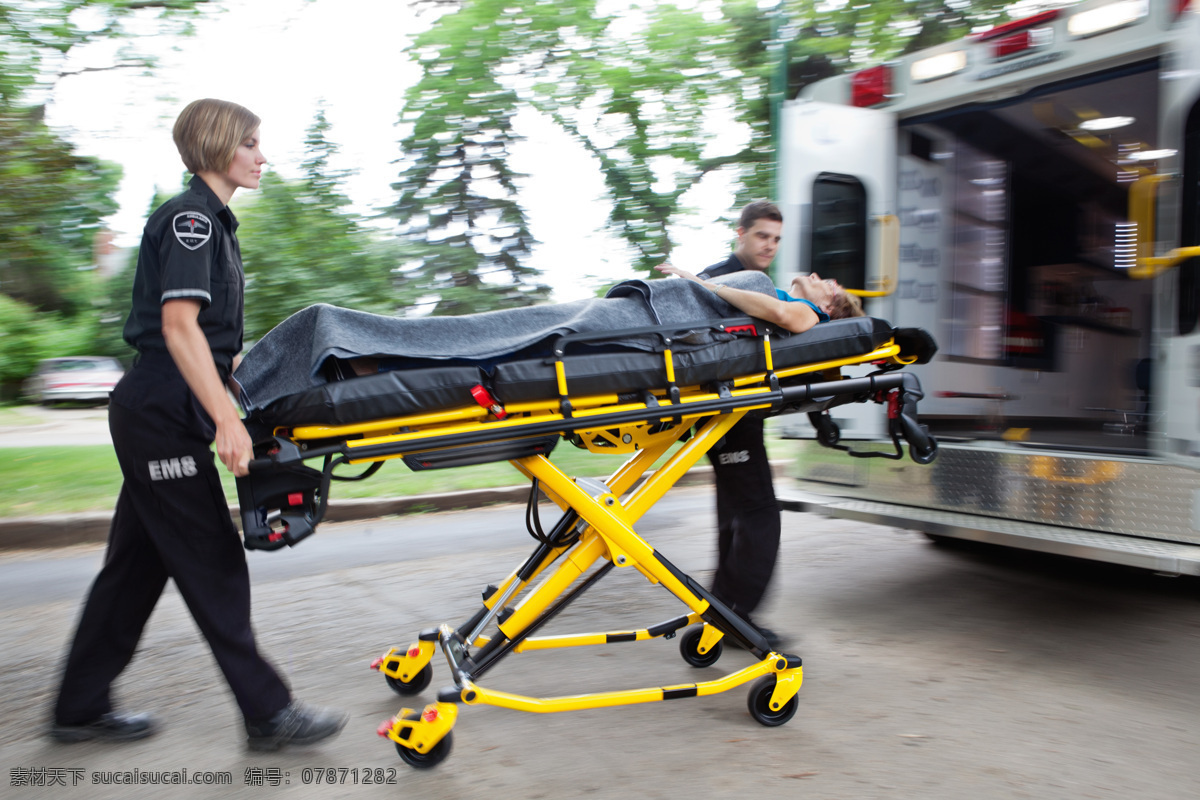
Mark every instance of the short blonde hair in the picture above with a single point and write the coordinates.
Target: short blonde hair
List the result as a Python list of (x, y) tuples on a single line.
[(208, 133)]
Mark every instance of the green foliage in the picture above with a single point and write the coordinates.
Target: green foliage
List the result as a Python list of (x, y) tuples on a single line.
[(639, 90), (18, 345), (51, 204), (110, 310), (642, 101), (36, 36), (300, 248), (458, 205), (26, 337), (52, 200), (111, 307)]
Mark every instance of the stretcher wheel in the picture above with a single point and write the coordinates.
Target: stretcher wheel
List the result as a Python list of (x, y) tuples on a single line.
[(925, 455), (829, 435), (689, 648), (759, 703), (436, 755), (415, 685)]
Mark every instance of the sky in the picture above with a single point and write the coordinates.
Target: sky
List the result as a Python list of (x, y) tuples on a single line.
[(281, 59)]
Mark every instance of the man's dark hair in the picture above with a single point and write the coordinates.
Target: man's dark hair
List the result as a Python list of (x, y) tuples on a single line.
[(759, 209)]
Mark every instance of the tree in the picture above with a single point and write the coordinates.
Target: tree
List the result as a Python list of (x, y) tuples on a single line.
[(642, 102), (458, 204), (637, 88), (51, 204), (299, 247), (111, 309), (51, 199), (35, 38)]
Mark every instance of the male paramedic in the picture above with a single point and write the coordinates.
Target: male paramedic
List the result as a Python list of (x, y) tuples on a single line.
[(172, 519), (748, 522)]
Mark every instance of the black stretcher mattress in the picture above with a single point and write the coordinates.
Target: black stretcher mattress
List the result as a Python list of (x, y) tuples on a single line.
[(433, 386)]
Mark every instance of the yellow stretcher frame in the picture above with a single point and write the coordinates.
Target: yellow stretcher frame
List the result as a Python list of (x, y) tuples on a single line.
[(597, 528), (609, 537)]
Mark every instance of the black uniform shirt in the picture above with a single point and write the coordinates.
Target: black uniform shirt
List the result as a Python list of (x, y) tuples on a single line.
[(725, 267), (189, 249)]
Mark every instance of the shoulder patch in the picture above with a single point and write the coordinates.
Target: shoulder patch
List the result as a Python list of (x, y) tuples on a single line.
[(192, 229)]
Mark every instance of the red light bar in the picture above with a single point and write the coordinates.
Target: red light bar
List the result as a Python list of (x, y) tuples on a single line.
[(1020, 24), (870, 87), (1012, 44)]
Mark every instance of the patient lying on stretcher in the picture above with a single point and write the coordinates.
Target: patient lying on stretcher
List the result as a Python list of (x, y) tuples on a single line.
[(812, 299), (323, 344)]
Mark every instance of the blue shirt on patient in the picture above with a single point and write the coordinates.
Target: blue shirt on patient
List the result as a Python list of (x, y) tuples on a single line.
[(787, 298)]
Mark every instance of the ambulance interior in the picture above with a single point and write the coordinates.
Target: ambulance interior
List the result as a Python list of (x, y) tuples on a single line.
[(1043, 335)]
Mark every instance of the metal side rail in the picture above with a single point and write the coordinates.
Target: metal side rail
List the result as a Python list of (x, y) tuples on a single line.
[(1172, 558), (283, 501)]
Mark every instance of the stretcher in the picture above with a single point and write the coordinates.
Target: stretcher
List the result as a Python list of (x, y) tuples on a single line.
[(594, 395)]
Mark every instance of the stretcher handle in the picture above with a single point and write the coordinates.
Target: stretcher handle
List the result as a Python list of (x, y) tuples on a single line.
[(284, 452), (922, 446), (978, 395)]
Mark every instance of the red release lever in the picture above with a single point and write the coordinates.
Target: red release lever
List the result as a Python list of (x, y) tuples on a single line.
[(485, 399)]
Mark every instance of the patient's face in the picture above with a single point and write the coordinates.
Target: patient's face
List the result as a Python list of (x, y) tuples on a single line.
[(815, 288)]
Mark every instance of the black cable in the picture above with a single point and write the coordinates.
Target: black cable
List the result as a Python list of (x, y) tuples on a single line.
[(533, 521), (371, 470)]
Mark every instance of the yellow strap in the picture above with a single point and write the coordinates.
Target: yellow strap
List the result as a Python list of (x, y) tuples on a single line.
[(560, 373)]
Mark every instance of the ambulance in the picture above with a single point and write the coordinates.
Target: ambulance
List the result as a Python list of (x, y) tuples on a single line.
[(1029, 195)]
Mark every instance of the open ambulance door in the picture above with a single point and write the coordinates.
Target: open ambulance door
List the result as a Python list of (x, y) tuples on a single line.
[(1174, 236), (836, 187)]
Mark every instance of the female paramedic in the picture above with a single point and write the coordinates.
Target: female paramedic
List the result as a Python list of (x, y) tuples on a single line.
[(172, 519)]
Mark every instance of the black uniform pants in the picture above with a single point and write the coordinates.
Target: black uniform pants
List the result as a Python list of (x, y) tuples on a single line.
[(747, 517), (171, 521)]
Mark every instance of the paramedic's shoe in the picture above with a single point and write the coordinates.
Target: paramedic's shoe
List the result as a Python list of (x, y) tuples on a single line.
[(294, 724), (774, 640), (111, 727)]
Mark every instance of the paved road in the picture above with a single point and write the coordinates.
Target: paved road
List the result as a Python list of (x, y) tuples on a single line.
[(931, 672), (35, 426)]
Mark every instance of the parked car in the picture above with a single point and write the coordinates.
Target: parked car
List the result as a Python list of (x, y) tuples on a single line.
[(78, 378)]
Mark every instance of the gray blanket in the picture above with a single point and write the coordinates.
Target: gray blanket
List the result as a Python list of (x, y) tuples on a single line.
[(290, 357)]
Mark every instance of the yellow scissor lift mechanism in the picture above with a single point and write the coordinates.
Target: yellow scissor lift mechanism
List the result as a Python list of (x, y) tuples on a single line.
[(596, 527)]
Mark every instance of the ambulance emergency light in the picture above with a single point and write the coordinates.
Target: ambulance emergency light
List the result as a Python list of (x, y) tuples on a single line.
[(939, 66), (871, 86), (1107, 17)]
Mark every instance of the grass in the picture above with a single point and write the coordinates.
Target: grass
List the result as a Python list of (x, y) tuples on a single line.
[(57, 480), (70, 479), (60, 480)]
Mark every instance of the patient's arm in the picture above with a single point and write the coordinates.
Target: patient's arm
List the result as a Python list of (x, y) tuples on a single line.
[(795, 317)]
